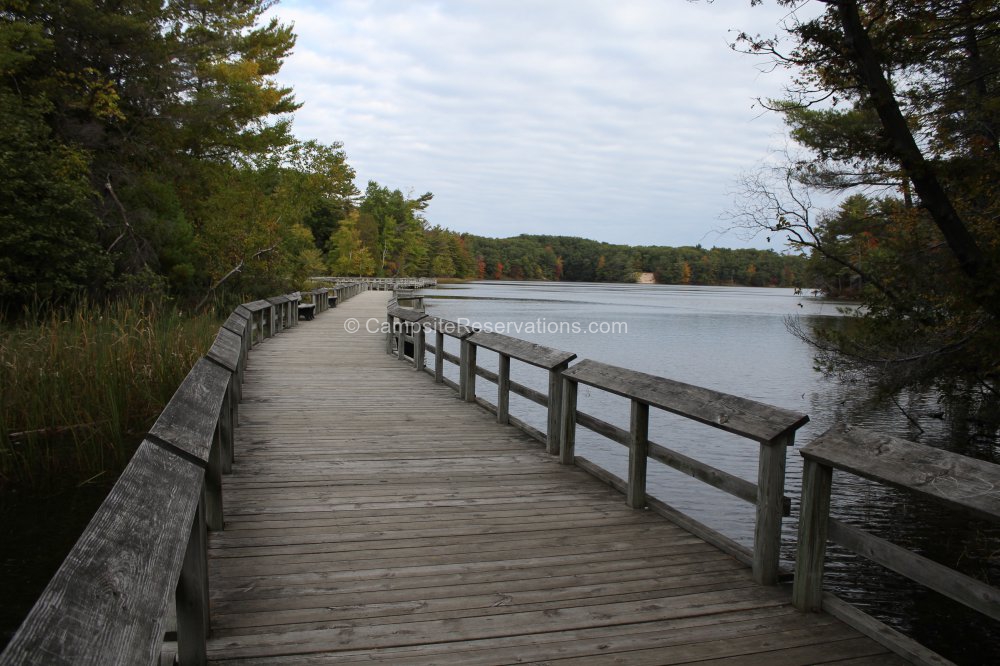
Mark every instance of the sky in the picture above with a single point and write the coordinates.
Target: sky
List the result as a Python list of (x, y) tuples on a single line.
[(625, 121)]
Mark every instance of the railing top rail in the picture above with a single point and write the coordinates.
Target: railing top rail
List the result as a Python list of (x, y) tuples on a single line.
[(257, 306), (105, 603), (278, 300), (949, 478), (522, 350), (226, 350), (451, 328), (188, 421), (236, 322), (406, 314), (741, 416)]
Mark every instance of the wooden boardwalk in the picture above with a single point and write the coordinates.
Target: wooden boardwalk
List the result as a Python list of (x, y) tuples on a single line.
[(371, 516)]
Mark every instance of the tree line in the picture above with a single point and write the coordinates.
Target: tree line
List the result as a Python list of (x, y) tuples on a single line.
[(539, 257)]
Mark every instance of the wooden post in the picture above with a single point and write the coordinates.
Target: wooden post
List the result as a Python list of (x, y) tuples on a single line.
[(637, 451), (401, 329), (419, 342), (213, 484), (438, 357), (191, 597), (807, 593), (567, 430), (467, 372), (503, 390), (555, 407), (389, 334), (770, 491), (226, 428)]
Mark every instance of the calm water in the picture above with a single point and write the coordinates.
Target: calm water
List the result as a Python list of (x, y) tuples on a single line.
[(735, 340)]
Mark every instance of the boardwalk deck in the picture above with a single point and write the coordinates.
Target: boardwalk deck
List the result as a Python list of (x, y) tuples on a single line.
[(372, 516)]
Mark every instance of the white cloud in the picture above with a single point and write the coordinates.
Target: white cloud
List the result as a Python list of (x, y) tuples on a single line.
[(624, 121)]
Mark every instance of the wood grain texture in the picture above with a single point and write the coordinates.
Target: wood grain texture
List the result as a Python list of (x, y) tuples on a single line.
[(406, 314), (226, 350), (449, 328), (529, 352), (106, 603), (957, 481), (189, 420), (373, 516), (731, 413)]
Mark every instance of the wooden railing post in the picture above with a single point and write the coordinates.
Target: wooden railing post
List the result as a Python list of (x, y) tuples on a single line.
[(567, 430), (637, 451), (401, 328), (226, 428), (438, 357), (467, 371), (555, 407), (807, 592), (191, 596), (213, 484), (419, 347), (389, 320), (503, 390), (770, 493)]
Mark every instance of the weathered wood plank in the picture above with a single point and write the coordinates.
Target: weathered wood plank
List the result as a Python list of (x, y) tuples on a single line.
[(226, 350), (528, 352), (731, 413), (957, 481), (944, 580), (237, 322), (449, 328), (406, 314), (189, 420), (107, 601)]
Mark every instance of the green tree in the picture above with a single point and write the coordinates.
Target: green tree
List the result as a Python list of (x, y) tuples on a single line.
[(917, 92), (49, 233)]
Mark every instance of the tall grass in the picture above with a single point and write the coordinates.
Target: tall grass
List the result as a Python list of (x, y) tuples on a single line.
[(78, 388)]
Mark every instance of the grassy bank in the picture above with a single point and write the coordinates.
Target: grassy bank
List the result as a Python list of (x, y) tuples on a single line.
[(80, 388)]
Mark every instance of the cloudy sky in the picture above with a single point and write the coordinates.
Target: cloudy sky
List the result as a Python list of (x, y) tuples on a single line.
[(627, 121)]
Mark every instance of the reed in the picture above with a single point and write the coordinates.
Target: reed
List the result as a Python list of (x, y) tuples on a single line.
[(81, 386)]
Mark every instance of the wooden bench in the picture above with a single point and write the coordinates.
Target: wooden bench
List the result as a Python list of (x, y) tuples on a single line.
[(307, 311)]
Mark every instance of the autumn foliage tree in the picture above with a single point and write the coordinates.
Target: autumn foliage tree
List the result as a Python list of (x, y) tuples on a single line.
[(898, 105)]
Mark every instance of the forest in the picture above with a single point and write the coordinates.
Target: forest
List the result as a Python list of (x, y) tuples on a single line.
[(147, 149)]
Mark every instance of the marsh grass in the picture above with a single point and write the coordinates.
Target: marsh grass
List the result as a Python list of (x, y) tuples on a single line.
[(79, 387)]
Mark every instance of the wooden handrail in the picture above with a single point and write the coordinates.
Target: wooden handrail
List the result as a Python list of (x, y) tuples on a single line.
[(740, 416), (522, 350), (946, 478)]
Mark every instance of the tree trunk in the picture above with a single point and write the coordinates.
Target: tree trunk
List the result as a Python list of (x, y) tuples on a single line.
[(925, 182)]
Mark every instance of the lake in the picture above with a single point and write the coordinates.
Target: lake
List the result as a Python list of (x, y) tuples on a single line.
[(736, 340)]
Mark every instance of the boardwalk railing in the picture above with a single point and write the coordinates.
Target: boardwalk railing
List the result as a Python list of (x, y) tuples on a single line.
[(772, 427), (949, 479), (953, 480), (109, 602)]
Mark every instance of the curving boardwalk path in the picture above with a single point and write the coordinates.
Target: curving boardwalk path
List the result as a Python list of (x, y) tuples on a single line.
[(373, 517)]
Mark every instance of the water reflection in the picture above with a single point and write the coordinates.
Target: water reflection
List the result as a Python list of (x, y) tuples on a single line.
[(734, 339)]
